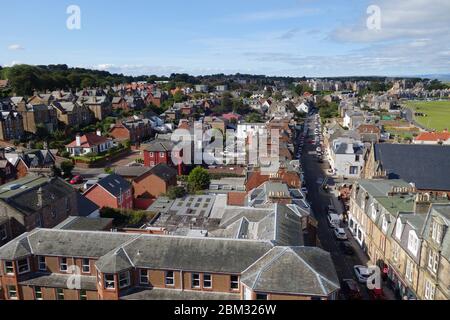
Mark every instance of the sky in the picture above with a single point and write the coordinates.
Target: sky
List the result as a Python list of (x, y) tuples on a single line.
[(313, 38)]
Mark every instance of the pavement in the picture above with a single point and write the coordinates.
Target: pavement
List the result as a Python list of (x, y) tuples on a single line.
[(320, 200)]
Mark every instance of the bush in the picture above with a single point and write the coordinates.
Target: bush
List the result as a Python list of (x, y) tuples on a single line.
[(198, 180), (176, 193), (126, 218)]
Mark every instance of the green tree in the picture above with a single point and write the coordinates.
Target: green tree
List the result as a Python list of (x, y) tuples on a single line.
[(254, 118), (198, 179), (67, 167), (176, 193)]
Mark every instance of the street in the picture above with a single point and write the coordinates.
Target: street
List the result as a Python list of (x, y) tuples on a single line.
[(320, 200)]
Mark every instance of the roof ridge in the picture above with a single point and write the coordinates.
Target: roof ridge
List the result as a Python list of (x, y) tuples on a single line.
[(269, 264)]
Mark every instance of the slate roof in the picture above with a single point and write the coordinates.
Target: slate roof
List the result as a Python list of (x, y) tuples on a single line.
[(170, 294), (424, 165), (164, 172), (85, 206), (85, 224), (295, 270), (114, 184), (59, 281), (22, 194), (159, 146), (132, 172)]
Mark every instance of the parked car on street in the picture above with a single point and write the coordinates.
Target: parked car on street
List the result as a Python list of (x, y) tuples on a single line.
[(76, 180), (340, 234), (362, 273)]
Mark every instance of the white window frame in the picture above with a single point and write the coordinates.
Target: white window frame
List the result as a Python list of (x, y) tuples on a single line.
[(109, 284), (433, 261), (436, 233), (162, 155), (8, 287), (63, 266), (205, 281), (398, 229), (84, 265), (374, 211), (27, 266), (168, 279), (36, 292), (5, 267), (124, 279), (385, 224), (194, 278), (143, 276), (430, 290), (413, 242), (234, 282), (151, 154), (409, 270)]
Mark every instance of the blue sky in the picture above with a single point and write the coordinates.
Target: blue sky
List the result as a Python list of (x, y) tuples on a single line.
[(287, 37)]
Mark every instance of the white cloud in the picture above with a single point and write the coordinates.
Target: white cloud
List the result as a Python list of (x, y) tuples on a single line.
[(15, 47)]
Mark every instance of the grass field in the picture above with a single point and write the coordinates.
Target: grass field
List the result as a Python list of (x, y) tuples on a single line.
[(437, 113)]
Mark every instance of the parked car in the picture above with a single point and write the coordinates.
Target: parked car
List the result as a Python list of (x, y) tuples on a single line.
[(340, 234), (362, 273), (304, 190), (350, 289), (76, 180), (333, 220), (347, 248)]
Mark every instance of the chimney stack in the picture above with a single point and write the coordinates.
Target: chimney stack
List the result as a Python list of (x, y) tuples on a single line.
[(422, 203), (99, 133)]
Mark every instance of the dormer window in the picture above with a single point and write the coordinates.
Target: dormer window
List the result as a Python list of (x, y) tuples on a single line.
[(436, 232), (374, 211), (413, 243), (23, 266), (398, 229), (385, 224)]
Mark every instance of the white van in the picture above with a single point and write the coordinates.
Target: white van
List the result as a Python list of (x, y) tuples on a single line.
[(333, 220)]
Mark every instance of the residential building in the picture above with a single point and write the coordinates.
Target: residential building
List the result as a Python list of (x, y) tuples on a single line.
[(31, 162), (124, 266), (423, 165), (133, 130), (119, 103), (347, 157), (38, 115), (112, 191), (160, 151), (73, 114), (90, 143), (433, 138), (11, 126), (99, 105), (7, 170), (35, 202)]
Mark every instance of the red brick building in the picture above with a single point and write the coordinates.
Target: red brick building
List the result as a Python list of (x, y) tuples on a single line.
[(133, 130), (160, 151), (111, 192)]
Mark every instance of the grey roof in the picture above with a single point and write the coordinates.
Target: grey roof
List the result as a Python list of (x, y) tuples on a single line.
[(133, 171), (424, 165), (85, 224), (115, 261), (114, 184), (85, 206), (442, 212), (295, 270), (23, 194), (164, 172), (177, 295), (161, 205), (59, 281), (159, 146)]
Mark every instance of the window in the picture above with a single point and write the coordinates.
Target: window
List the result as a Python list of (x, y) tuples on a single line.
[(109, 281), (385, 224), (357, 158), (151, 154), (12, 292), (234, 283), (261, 296), (413, 242), (170, 278), (37, 293), (53, 213), (207, 281), (353, 170), (85, 266), (436, 232), (3, 234), (433, 261), (9, 267), (124, 279), (83, 295), (38, 221), (398, 229), (63, 264), (195, 280), (59, 294), (409, 270), (143, 277), (23, 266), (162, 154), (429, 290), (396, 252), (374, 211)]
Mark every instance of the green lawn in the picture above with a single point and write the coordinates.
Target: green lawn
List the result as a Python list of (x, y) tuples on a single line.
[(437, 113)]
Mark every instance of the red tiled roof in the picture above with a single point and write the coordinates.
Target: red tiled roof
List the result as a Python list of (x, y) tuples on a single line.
[(89, 140), (236, 198), (433, 136)]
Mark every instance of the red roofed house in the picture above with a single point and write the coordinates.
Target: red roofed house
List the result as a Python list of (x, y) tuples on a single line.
[(89, 143), (433, 138), (230, 116)]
